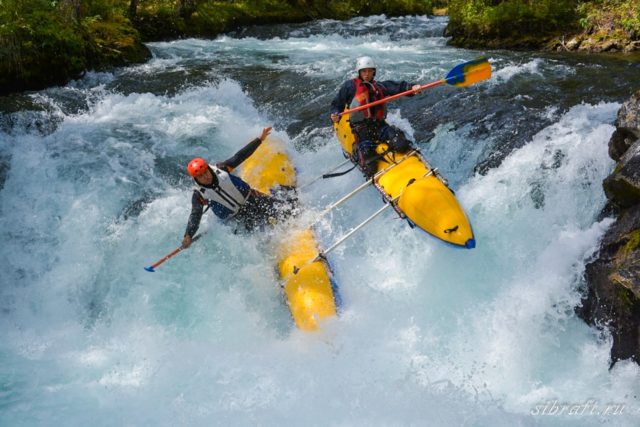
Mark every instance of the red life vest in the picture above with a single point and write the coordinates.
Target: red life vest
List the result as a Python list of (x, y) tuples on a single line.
[(362, 97)]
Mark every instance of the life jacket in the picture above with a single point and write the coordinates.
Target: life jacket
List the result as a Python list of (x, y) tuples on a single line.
[(227, 196), (365, 93)]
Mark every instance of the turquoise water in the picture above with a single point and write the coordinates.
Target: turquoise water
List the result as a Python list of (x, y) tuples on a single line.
[(94, 189)]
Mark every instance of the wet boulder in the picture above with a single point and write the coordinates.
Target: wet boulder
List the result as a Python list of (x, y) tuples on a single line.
[(629, 116), (622, 187), (612, 296), (627, 128)]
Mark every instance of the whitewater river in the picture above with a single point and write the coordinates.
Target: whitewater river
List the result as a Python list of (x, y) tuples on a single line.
[(94, 188)]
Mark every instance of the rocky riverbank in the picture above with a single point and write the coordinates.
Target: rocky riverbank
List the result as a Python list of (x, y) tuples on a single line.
[(593, 42), (612, 297)]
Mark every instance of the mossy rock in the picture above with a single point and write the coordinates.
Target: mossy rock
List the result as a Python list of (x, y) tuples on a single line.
[(622, 187), (625, 297), (633, 244), (619, 189)]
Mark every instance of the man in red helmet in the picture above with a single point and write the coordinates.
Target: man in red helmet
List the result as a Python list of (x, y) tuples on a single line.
[(227, 195), (369, 126)]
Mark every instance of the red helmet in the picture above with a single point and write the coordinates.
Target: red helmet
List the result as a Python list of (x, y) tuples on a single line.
[(197, 166)]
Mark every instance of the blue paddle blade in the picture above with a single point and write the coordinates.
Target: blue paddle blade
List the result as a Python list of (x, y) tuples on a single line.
[(150, 269), (469, 73)]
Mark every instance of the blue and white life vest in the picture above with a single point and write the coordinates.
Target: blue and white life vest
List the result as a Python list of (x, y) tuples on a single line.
[(227, 196)]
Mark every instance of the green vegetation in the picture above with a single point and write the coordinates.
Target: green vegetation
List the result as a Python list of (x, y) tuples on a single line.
[(44, 42), (528, 23), (511, 22), (162, 19), (624, 295), (610, 23), (613, 15), (633, 244)]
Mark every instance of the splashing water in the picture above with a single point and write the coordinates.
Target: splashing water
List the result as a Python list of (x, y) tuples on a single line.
[(94, 188)]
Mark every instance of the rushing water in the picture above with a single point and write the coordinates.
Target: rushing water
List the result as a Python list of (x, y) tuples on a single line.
[(93, 189)]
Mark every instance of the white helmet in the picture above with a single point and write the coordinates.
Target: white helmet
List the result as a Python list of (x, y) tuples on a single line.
[(364, 62)]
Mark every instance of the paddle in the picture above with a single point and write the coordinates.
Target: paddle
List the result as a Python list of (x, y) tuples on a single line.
[(152, 267), (461, 75)]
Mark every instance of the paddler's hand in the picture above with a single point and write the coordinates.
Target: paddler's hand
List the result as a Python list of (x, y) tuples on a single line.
[(186, 241), (335, 117), (265, 133), (416, 89)]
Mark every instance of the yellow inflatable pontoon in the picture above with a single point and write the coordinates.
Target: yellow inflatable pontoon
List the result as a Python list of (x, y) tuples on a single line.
[(308, 285), (416, 190)]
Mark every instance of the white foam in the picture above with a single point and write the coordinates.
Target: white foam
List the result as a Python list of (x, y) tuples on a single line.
[(427, 334)]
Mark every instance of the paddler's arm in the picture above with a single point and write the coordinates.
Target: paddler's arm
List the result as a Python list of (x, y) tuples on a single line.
[(391, 87), (242, 155), (194, 220), (344, 97)]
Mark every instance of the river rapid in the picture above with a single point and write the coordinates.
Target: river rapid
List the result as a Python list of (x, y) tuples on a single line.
[(93, 188)]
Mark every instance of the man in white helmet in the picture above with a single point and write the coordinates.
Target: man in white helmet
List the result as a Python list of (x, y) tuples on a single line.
[(369, 126)]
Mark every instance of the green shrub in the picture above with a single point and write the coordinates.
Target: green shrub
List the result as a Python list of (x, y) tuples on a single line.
[(512, 17), (40, 47), (611, 15)]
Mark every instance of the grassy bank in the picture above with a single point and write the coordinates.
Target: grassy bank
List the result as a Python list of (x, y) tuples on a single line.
[(47, 42), (596, 25)]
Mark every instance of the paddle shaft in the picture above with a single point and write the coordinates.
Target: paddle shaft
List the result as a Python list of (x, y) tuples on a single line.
[(392, 97), (460, 75), (166, 257), (173, 253)]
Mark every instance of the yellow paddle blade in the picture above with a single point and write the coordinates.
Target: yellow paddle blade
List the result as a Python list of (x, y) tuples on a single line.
[(469, 73)]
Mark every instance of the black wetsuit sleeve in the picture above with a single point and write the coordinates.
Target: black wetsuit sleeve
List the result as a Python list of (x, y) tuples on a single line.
[(390, 87), (344, 97), (242, 155), (196, 215)]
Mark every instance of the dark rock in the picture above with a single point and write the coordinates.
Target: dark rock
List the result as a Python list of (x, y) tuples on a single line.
[(620, 142), (612, 297), (622, 187), (628, 119)]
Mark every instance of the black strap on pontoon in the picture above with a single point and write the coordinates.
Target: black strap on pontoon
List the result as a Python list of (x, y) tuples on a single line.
[(333, 175)]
